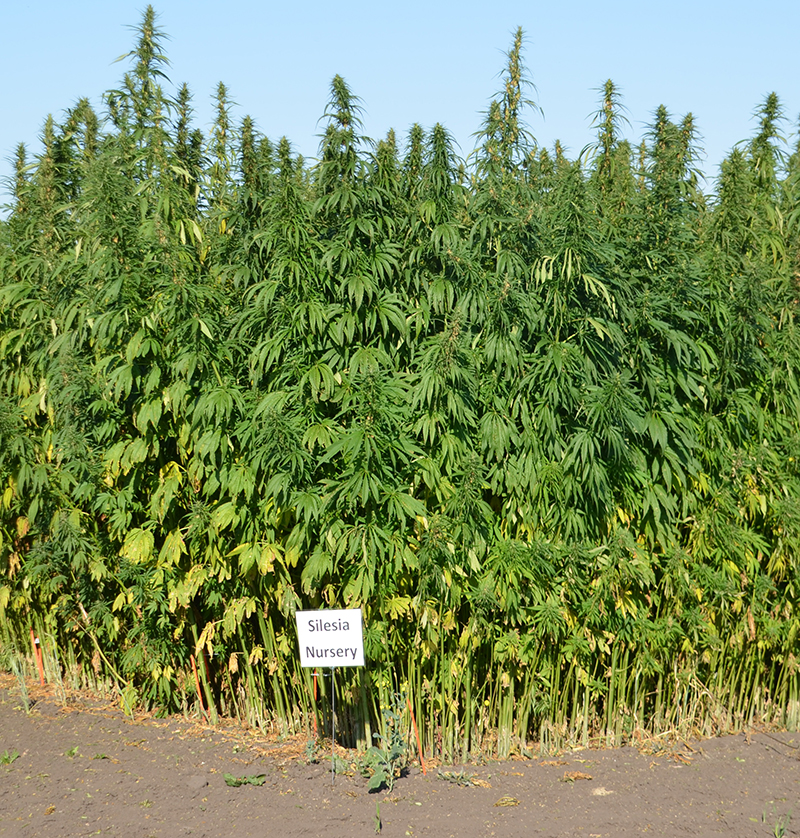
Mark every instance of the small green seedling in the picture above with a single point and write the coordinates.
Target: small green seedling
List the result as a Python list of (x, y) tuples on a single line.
[(378, 824), (781, 822), (7, 757), (72, 752), (100, 756), (342, 766), (312, 757), (252, 780)]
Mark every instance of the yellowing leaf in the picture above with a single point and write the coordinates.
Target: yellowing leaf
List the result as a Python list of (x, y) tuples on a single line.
[(269, 553), (397, 606), (172, 549), (223, 516), (138, 546)]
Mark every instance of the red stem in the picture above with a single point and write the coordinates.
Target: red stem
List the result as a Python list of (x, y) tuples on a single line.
[(197, 684), (37, 653)]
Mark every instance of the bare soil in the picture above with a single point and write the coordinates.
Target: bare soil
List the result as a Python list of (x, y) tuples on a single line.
[(83, 768)]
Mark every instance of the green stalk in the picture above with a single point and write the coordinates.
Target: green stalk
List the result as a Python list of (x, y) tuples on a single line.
[(468, 711), (585, 730), (253, 687), (658, 721), (203, 672)]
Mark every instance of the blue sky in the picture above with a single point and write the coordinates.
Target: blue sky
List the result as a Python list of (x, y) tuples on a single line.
[(421, 62)]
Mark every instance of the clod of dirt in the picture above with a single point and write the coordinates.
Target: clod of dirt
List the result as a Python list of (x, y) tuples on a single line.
[(196, 783)]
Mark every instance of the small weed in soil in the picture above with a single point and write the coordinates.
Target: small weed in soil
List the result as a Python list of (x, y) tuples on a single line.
[(384, 763), (312, 757), (252, 780), (7, 757), (781, 822), (342, 766), (457, 778), (72, 752)]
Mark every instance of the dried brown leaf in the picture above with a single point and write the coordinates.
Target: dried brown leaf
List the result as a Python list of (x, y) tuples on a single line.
[(571, 776)]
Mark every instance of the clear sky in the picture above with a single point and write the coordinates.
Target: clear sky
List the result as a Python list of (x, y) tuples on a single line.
[(423, 62)]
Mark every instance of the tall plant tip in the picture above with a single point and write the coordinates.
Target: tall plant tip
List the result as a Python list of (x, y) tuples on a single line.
[(611, 105), (148, 49), (344, 107)]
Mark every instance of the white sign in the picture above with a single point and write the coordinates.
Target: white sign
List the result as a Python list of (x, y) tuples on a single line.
[(330, 638)]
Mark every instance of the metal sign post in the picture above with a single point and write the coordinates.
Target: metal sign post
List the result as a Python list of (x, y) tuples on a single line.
[(333, 725), (331, 638)]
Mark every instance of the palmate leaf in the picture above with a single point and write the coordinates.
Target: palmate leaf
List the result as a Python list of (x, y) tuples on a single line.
[(138, 546), (172, 549), (317, 567), (402, 506), (497, 435)]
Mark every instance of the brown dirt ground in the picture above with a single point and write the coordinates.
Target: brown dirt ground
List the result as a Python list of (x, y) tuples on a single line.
[(85, 769)]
